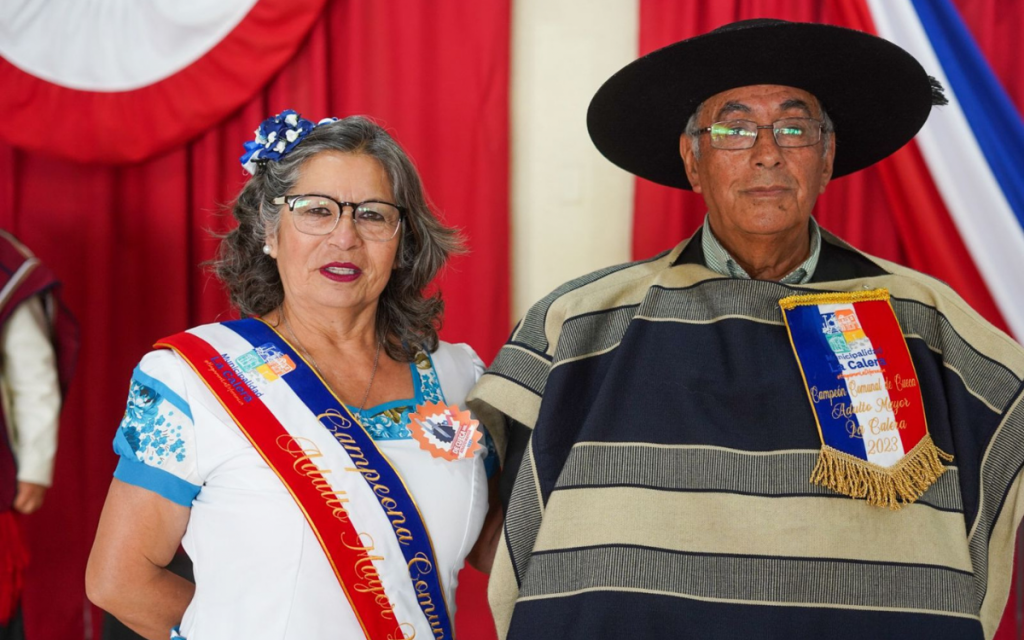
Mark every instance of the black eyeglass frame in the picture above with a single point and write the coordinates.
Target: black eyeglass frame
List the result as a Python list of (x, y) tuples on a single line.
[(291, 200), (757, 132)]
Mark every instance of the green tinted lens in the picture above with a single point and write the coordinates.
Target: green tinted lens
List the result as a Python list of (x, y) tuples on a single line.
[(797, 132), (377, 220), (735, 133), (314, 215)]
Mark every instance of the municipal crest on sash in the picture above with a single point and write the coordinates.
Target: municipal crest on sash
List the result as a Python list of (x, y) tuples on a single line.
[(865, 397), (266, 360)]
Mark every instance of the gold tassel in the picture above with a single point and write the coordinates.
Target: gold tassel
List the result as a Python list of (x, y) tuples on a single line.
[(890, 487), (792, 302)]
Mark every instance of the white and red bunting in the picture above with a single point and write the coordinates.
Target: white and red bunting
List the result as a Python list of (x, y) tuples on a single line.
[(112, 81)]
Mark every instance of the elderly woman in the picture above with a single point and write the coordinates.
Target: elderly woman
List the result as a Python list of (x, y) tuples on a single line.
[(312, 458)]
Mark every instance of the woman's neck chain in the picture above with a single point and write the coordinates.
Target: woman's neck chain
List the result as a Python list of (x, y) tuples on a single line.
[(312, 360)]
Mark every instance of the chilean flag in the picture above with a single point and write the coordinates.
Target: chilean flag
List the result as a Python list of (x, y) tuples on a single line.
[(973, 147)]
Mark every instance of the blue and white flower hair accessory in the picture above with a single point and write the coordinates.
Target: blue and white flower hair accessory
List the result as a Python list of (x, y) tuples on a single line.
[(276, 137)]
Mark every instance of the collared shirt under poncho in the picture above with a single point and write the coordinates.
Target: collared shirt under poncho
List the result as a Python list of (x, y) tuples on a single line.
[(665, 488)]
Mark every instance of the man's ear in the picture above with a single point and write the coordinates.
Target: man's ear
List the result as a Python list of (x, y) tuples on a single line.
[(826, 169), (689, 161)]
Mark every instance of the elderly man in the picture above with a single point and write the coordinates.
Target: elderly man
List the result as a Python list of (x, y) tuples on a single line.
[(762, 433)]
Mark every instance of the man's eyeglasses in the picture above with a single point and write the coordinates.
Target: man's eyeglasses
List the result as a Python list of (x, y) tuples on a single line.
[(742, 134), (318, 215)]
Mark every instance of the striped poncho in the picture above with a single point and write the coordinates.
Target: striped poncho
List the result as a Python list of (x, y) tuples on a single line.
[(662, 443)]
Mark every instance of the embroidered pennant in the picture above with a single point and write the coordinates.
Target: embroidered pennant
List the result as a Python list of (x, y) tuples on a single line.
[(865, 396)]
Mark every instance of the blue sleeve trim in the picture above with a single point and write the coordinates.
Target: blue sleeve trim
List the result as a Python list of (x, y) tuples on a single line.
[(491, 465), (170, 486), (121, 446), (165, 392)]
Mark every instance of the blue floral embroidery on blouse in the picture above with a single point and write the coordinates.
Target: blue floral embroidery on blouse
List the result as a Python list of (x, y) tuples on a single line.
[(152, 426), (391, 424), (390, 421)]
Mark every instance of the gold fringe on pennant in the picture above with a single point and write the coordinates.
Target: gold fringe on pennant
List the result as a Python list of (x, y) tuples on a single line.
[(891, 487), (838, 297)]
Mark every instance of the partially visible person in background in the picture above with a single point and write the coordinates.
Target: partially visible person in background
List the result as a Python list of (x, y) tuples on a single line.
[(37, 345)]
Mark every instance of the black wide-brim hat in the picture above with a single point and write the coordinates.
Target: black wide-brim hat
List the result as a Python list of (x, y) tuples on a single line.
[(877, 95)]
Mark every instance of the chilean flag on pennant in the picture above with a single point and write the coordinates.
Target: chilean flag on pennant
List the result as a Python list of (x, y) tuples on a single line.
[(865, 395)]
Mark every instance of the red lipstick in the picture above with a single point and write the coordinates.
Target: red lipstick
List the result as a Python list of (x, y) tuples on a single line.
[(341, 271)]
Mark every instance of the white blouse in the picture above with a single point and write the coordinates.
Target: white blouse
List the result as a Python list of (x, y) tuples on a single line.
[(260, 571)]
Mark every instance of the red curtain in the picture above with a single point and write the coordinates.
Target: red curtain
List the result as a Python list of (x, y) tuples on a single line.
[(871, 209), (128, 241)]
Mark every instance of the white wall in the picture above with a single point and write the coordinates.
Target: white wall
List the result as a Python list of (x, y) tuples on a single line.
[(571, 208)]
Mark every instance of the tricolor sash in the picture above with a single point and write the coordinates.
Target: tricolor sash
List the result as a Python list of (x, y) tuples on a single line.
[(865, 396), (356, 503)]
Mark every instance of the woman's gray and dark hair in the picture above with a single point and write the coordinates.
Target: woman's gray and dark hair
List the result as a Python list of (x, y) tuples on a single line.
[(407, 321)]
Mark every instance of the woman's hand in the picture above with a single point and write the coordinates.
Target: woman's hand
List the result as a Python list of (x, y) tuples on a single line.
[(138, 535)]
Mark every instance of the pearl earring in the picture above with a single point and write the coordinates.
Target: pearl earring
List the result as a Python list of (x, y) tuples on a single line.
[(266, 249)]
